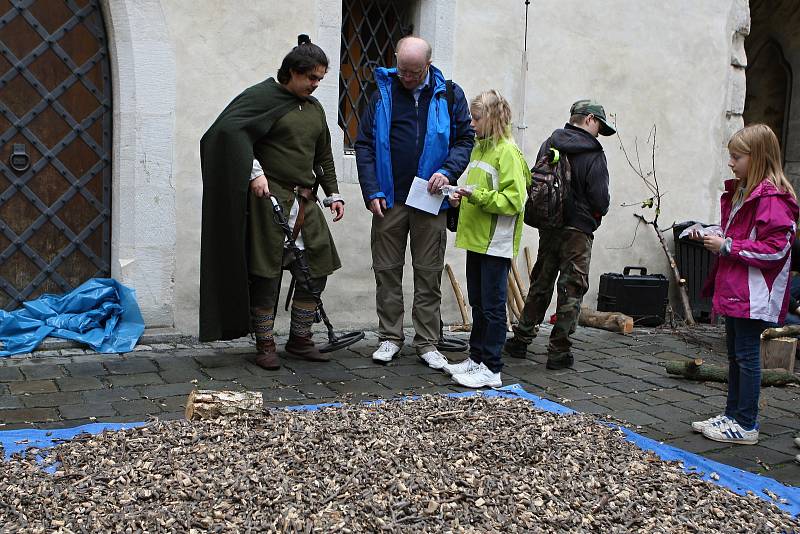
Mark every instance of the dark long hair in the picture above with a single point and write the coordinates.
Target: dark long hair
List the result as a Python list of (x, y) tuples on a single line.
[(303, 58)]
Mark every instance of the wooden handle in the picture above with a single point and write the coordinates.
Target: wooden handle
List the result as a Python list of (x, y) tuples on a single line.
[(528, 261), (518, 280), (459, 296)]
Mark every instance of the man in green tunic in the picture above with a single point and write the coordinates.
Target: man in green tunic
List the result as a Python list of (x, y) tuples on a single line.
[(276, 134)]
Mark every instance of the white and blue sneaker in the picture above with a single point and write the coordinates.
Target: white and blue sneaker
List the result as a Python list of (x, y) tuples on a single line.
[(699, 426), (730, 431)]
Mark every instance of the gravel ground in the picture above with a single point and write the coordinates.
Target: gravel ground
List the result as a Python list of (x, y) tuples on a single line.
[(438, 464)]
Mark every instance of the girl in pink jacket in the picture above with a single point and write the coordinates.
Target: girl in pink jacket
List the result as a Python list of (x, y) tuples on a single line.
[(751, 285)]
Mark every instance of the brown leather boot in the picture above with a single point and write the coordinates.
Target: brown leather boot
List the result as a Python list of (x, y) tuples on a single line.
[(267, 355), (300, 343), (303, 347)]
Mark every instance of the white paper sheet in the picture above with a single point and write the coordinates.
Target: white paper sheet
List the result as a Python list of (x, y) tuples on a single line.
[(418, 197)]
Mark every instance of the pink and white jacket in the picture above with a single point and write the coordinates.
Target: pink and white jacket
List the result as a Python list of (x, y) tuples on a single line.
[(752, 282)]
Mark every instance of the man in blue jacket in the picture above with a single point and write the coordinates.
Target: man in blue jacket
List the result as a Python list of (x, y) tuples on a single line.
[(409, 130)]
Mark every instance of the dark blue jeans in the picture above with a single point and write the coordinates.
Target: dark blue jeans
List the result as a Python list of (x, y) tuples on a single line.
[(487, 285), (743, 338)]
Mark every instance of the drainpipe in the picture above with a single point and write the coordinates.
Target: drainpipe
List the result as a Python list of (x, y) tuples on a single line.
[(521, 125)]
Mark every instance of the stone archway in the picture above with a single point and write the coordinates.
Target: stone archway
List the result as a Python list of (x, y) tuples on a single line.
[(773, 57), (769, 89), (143, 254)]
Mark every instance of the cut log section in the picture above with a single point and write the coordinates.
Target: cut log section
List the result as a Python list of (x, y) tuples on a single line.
[(778, 353), (209, 404), (611, 321), (698, 370)]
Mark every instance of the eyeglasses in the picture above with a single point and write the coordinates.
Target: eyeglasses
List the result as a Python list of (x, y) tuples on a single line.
[(404, 73)]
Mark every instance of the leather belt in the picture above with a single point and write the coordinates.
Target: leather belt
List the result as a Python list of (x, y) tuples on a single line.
[(304, 194)]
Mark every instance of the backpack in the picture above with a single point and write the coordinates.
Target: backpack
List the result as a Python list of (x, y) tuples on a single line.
[(548, 192)]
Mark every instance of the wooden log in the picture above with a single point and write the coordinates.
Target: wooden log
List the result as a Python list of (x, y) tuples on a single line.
[(209, 404), (611, 321), (698, 370), (784, 331), (778, 353), (459, 295)]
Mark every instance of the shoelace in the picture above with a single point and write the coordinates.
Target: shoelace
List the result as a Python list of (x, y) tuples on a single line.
[(386, 346)]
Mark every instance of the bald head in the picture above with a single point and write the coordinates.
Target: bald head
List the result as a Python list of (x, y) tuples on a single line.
[(413, 60), (414, 49)]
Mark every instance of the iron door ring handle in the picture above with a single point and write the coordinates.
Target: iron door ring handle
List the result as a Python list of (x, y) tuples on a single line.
[(19, 160)]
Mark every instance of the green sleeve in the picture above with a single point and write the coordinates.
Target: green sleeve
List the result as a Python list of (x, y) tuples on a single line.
[(510, 196), (324, 157)]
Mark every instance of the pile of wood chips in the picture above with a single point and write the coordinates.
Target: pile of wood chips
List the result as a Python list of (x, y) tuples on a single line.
[(438, 464)]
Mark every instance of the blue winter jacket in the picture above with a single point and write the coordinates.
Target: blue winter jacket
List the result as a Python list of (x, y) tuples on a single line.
[(445, 148)]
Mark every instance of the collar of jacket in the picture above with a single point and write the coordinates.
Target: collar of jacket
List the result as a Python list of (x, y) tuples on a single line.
[(763, 189)]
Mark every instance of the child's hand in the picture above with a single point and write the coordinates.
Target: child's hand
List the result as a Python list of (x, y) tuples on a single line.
[(695, 235), (713, 243)]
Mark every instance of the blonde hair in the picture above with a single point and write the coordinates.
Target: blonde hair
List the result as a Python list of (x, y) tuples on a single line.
[(491, 105), (760, 143)]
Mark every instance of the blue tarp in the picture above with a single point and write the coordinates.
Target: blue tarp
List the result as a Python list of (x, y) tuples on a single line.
[(101, 313), (737, 480)]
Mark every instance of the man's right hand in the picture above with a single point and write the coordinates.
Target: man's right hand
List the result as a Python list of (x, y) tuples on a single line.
[(259, 186), (377, 206)]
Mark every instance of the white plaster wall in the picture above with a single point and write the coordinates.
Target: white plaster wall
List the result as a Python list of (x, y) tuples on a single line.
[(143, 185)]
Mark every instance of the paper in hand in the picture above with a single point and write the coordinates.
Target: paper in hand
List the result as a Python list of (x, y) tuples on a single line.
[(418, 197)]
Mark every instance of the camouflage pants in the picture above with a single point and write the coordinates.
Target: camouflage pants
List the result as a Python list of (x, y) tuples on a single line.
[(564, 253)]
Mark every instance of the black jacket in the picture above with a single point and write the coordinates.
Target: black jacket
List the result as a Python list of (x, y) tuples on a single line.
[(588, 200)]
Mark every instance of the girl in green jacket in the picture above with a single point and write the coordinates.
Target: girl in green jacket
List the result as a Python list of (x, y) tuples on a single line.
[(489, 228)]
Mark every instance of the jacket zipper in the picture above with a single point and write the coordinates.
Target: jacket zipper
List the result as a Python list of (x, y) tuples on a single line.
[(416, 112)]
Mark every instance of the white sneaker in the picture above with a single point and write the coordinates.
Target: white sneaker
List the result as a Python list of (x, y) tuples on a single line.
[(478, 377), (434, 359), (731, 432), (460, 367), (699, 426), (386, 351), (797, 442)]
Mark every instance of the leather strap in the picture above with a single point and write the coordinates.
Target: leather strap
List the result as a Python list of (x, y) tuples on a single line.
[(304, 194)]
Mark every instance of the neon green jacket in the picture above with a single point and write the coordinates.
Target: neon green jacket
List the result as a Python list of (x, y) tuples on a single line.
[(490, 220)]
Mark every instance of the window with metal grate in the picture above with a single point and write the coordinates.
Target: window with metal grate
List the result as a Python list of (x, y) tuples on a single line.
[(370, 32)]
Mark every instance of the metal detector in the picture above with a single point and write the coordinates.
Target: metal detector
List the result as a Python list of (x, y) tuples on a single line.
[(302, 275)]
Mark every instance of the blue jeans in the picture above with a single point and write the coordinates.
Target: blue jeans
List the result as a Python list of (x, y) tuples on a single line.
[(743, 337), (487, 286)]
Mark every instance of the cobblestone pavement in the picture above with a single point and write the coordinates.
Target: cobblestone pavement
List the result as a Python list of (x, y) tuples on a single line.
[(616, 377)]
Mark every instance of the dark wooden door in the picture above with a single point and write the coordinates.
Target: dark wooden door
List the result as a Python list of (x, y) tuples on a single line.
[(55, 147)]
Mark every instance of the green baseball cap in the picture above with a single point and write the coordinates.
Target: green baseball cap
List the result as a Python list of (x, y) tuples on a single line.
[(590, 107)]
